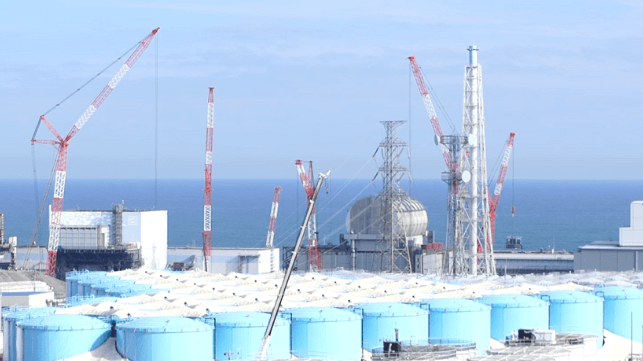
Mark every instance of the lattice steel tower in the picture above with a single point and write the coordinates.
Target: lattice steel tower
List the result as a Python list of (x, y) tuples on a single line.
[(391, 197), (473, 223), (473, 218)]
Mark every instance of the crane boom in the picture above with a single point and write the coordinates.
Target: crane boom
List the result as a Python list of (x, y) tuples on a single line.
[(430, 109), (284, 284), (63, 143), (314, 257), (207, 191), (495, 199), (273, 218)]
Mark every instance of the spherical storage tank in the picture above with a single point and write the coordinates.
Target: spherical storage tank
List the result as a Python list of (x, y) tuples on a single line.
[(510, 313), (575, 312), (458, 320), (9, 327), (621, 306), (238, 335), (57, 337), (365, 216), (381, 320), (165, 338), (319, 332)]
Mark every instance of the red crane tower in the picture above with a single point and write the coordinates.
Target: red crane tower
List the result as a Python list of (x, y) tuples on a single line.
[(314, 256), (207, 191), (63, 143), (493, 200), (273, 218)]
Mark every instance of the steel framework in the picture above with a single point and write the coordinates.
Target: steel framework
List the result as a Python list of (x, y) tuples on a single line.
[(473, 222), (391, 196), (207, 191), (273, 218)]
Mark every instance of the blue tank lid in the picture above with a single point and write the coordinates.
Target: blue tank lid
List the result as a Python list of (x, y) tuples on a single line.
[(390, 309), (64, 323), (618, 293), (321, 314), (164, 324), (453, 305), (569, 297), (30, 313), (512, 301), (245, 319)]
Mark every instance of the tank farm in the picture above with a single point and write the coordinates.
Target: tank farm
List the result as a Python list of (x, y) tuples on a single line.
[(163, 315)]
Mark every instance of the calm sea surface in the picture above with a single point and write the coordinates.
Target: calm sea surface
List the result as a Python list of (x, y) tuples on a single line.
[(569, 213)]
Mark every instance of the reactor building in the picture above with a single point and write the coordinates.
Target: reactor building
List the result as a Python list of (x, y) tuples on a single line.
[(108, 240)]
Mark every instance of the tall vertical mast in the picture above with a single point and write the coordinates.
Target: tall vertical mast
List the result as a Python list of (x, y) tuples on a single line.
[(474, 223), (273, 218), (207, 191)]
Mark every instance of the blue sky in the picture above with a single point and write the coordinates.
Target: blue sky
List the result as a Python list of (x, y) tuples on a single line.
[(312, 80)]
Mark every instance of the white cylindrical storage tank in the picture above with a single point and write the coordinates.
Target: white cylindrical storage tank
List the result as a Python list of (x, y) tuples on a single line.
[(57, 337), (238, 335), (9, 327), (459, 321), (324, 332), (392, 321), (509, 313), (165, 339), (575, 312)]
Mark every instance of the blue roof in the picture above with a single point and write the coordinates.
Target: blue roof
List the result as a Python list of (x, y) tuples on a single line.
[(390, 309), (247, 319), (618, 293), (319, 314), (512, 301), (164, 324), (453, 305), (30, 313), (64, 323), (569, 297)]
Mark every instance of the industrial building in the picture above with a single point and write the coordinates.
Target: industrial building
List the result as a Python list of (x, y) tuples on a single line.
[(111, 239), (626, 254), (150, 314)]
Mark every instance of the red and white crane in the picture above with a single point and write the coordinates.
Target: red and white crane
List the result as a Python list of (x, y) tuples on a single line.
[(273, 218), (207, 191), (314, 256), (495, 199), (430, 109), (63, 143)]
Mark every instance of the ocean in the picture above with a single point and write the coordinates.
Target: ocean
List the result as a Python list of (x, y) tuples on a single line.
[(564, 214)]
